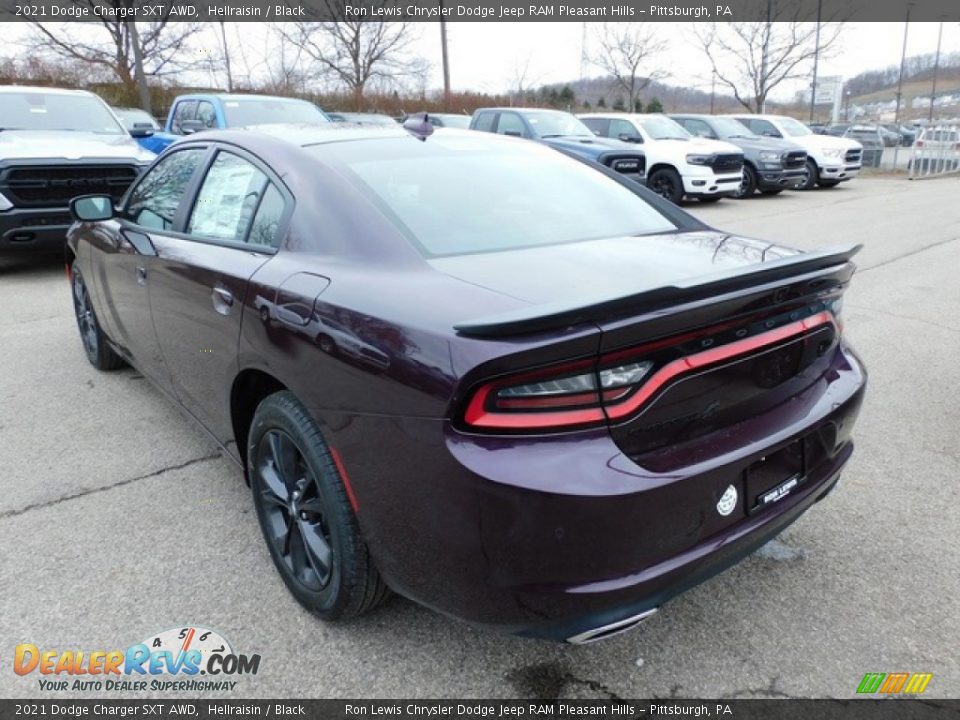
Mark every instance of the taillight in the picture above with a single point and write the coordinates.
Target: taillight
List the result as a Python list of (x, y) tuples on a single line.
[(618, 385)]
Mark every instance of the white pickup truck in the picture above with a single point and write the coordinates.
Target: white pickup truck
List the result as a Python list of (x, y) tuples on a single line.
[(830, 160), (678, 164)]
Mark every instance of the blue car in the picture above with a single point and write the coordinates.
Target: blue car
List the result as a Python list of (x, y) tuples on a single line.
[(565, 132), (194, 113), (142, 127)]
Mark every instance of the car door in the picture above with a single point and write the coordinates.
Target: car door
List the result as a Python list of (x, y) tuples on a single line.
[(122, 258), (230, 225)]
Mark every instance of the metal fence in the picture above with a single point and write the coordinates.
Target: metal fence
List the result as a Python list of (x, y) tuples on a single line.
[(936, 152)]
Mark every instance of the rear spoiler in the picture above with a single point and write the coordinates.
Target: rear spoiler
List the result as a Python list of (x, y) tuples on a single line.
[(551, 316)]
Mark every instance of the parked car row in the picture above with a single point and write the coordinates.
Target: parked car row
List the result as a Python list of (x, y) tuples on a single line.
[(678, 157)]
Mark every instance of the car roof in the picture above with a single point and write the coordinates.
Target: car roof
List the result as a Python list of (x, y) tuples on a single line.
[(305, 135), (233, 97), (34, 90), (524, 109)]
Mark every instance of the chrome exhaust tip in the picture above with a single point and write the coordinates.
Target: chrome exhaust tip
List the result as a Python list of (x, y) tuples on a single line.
[(611, 629)]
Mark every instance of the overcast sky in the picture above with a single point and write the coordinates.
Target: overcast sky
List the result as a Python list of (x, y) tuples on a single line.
[(486, 56)]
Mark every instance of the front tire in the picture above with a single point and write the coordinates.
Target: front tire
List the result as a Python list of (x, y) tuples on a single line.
[(666, 183), (95, 343), (305, 513), (811, 177), (748, 186)]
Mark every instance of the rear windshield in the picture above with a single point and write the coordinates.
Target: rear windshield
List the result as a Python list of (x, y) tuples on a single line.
[(56, 111), (456, 195), (267, 111)]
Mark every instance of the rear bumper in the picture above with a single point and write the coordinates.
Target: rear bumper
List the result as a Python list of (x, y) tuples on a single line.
[(36, 231), (553, 536)]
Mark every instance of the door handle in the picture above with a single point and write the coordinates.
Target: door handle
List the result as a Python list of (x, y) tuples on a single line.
[(222, 300)]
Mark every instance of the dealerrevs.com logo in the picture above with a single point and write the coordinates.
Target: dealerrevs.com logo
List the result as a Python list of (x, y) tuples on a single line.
[(173, 660)]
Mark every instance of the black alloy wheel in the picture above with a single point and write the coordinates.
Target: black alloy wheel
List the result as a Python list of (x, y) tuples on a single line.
[(666, 183), (95, 345), (306, 514)]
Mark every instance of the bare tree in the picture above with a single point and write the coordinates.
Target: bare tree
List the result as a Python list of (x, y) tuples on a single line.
[(356, 52), (522, 81), (628, 53), (754, 58), (110, 49)]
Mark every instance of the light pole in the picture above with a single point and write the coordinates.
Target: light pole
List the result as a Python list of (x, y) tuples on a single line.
[(903, 60), (936, 66), (816, 58), (446, 60), (846, 106)]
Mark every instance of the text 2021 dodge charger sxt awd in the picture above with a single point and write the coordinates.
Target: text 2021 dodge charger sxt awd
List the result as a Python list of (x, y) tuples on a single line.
[(503, 382)]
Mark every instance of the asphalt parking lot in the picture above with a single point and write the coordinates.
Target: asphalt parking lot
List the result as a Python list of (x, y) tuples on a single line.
[(118, 518)]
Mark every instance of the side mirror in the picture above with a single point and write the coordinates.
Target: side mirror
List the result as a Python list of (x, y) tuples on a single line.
[(627, 137), (189, 127), (141, 130), (91, 208)]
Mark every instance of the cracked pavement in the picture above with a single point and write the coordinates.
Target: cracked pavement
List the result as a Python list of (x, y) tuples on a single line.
[(118, 518)]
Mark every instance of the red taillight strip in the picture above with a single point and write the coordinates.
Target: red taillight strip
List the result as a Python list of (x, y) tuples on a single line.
[(684, 365), (477, 416)]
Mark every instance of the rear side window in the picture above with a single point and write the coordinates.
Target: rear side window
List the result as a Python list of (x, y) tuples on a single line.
[(266, 223), (228, 199), (154, 201)]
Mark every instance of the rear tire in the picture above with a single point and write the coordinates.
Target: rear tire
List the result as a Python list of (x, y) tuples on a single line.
[(95, 343), (666, 183), (305, 513), (811, 177)]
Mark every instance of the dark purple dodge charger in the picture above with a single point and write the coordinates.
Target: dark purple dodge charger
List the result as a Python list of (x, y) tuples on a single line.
[(500, 381)]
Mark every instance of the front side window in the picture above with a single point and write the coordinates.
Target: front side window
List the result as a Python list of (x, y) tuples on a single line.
[(619, 127), (510, 124), (186, 110), (228, 199), (485, 121), (154, 201), (206, 114)]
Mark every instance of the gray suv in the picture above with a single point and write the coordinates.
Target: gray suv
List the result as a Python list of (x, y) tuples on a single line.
[(770, 165)]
